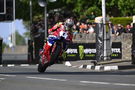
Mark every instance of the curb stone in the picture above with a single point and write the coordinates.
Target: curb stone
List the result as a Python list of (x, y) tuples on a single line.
[(99, 67), (102, 67)]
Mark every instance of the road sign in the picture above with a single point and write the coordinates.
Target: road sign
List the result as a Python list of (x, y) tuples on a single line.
[(2, 6), (6, 10)]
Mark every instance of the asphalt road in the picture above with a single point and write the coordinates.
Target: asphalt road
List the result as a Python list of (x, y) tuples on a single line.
[(60, 77)]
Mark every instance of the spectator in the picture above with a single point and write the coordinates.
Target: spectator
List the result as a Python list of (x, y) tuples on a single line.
[(83, 27), (75, 31), (90, 28), (91, 16), (37, 33), (78, 26), (128, 29), (120, 30), (115, 30)]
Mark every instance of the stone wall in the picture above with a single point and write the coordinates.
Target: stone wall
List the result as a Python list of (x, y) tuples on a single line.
[(125, 38), (20, 49)]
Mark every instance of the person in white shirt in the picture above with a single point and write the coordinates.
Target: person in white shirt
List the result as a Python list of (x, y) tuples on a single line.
[(90, 28)]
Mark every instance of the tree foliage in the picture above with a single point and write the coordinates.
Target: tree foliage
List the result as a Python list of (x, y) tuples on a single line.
[(79, 7), (20, 40), (127, 7)]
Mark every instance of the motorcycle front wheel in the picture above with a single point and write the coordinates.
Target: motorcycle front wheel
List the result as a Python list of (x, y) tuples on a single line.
[(42, 67)]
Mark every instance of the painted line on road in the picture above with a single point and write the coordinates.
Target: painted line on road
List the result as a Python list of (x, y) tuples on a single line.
[(84, 82), (7, 75), (24, 65), (52, 79), (107, 83), (2, 78), (13, 65)]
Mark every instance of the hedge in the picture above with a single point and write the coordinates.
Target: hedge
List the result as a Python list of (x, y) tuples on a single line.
[(121, 20)]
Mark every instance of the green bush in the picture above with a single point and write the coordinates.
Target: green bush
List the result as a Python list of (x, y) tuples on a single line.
[(121, 20)]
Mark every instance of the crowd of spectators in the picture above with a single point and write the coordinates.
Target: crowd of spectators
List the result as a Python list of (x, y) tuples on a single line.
[(119, 29), (80, 26), (89, 28)]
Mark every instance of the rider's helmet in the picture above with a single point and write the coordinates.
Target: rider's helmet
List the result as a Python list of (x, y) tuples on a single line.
[(69, 23), (59, 23)]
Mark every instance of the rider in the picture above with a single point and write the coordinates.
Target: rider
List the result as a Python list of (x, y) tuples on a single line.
[(55, 33)]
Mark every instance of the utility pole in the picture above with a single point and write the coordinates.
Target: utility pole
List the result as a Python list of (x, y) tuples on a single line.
[(45, 21), (104, 32), (13, 26), (30, 27)]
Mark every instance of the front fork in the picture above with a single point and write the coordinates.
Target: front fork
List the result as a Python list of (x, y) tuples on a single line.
[(43, 58)]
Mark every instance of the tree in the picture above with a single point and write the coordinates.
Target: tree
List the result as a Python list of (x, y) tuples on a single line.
[(20, 40), (79, 7), (127, 7), (23, 8)]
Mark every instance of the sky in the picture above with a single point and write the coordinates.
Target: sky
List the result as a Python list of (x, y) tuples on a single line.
[(5, 29)]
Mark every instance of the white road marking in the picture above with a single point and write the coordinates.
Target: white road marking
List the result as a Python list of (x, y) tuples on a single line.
[(7, 75), (10, 65), (2, 78), (24, 65), (53, 79), (107, 83)]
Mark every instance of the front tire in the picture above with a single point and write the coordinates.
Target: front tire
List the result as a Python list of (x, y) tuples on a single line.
[(42, 67)]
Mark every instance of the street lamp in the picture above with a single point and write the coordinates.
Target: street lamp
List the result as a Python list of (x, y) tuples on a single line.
[(104, 23), (43, 3)]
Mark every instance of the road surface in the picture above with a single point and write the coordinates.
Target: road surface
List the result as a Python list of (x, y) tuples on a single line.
[(60, 77)]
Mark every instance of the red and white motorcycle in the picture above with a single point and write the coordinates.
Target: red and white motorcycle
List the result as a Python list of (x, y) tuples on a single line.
[(55, 53)]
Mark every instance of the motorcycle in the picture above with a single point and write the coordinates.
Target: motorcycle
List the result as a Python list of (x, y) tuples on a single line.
[(55, 54)]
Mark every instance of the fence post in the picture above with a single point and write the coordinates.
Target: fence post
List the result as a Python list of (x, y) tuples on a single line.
[(133, 45), (30, 51), (1, 50), (99, 42)]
